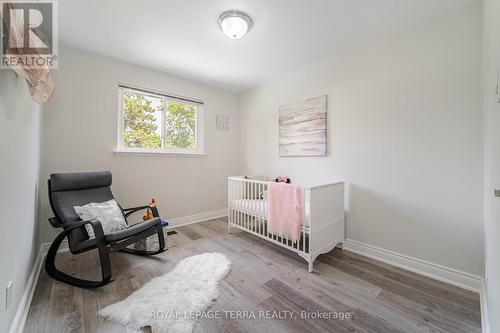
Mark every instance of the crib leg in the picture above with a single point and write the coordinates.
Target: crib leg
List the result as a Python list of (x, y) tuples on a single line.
[(310, 265), (228, 227)]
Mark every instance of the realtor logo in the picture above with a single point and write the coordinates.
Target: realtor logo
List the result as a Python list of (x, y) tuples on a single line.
[(29, 34)]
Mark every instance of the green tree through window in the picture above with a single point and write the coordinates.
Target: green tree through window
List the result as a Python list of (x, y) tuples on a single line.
[(143, 115), (180, 122), (139, 122)]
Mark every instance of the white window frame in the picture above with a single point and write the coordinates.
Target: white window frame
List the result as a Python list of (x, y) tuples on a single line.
[(199, 131)]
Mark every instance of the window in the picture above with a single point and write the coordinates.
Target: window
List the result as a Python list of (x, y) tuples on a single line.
[(152, 122)]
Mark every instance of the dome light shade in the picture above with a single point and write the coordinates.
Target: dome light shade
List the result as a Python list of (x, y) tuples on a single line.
[(235, 24)]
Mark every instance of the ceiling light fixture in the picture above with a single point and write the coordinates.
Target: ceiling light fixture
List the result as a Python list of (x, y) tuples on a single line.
[(235, 24)]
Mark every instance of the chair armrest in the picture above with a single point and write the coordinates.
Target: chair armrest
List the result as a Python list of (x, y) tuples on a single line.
[(55, 222), (128, 211), (95, 224), (133, 230), (98, 232)]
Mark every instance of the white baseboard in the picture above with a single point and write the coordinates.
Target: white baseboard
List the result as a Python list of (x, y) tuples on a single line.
[(19, 321), (435, 271), (452, 276), (485, 324), (181, 221)]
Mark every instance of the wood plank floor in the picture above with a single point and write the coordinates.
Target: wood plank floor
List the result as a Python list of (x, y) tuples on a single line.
[(380, 298)]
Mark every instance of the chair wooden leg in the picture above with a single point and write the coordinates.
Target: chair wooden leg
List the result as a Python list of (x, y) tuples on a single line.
[(52, 271), (161, 238)]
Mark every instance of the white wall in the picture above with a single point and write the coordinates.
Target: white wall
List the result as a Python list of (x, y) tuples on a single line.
[(19, 166), (80, 135), (492, 159), (404, 128)]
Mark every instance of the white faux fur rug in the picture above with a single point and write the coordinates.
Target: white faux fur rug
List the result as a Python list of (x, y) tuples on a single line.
[(166, 303)]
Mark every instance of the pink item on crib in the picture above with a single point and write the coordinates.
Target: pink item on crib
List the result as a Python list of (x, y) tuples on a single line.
[(284, 210)]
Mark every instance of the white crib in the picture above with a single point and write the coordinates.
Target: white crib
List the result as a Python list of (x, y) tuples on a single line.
[(323, 220)]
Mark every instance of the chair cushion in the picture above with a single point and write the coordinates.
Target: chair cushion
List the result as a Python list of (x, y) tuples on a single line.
[(108, 213)]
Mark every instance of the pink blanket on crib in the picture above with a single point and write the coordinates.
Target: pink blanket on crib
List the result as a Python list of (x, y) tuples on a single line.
[(284, 210)]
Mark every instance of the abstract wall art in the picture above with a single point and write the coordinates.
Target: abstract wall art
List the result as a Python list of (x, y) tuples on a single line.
[(302, 128)]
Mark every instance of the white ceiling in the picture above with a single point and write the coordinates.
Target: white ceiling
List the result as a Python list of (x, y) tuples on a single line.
[(182, 37)]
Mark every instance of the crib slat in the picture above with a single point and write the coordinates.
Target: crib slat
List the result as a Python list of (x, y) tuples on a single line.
[(243, 195), (242, 185), (243, 190), (256, 208), (263, 206), (236, 197), (246, 206), (304, 222), (232, 199), (229, 201), (255, 203), (240, 197), (260, 210), (252, 207), (241, 218)]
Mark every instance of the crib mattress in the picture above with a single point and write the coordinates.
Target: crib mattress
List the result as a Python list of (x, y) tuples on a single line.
[(255, 207)]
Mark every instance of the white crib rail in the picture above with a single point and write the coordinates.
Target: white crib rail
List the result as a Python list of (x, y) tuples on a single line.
[(247, 210)]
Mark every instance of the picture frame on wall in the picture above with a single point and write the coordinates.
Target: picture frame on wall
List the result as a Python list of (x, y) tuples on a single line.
[(302, 128)]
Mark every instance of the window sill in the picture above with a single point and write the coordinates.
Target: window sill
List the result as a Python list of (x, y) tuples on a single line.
[(158, 153)]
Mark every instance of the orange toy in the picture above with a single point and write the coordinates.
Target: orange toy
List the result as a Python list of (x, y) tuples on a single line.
[(149, 213)]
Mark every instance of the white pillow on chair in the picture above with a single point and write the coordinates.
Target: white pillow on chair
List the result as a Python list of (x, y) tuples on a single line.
[(108, 213)]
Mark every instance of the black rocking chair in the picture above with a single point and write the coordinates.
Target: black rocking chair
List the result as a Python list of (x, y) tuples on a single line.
[(67, 190)]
